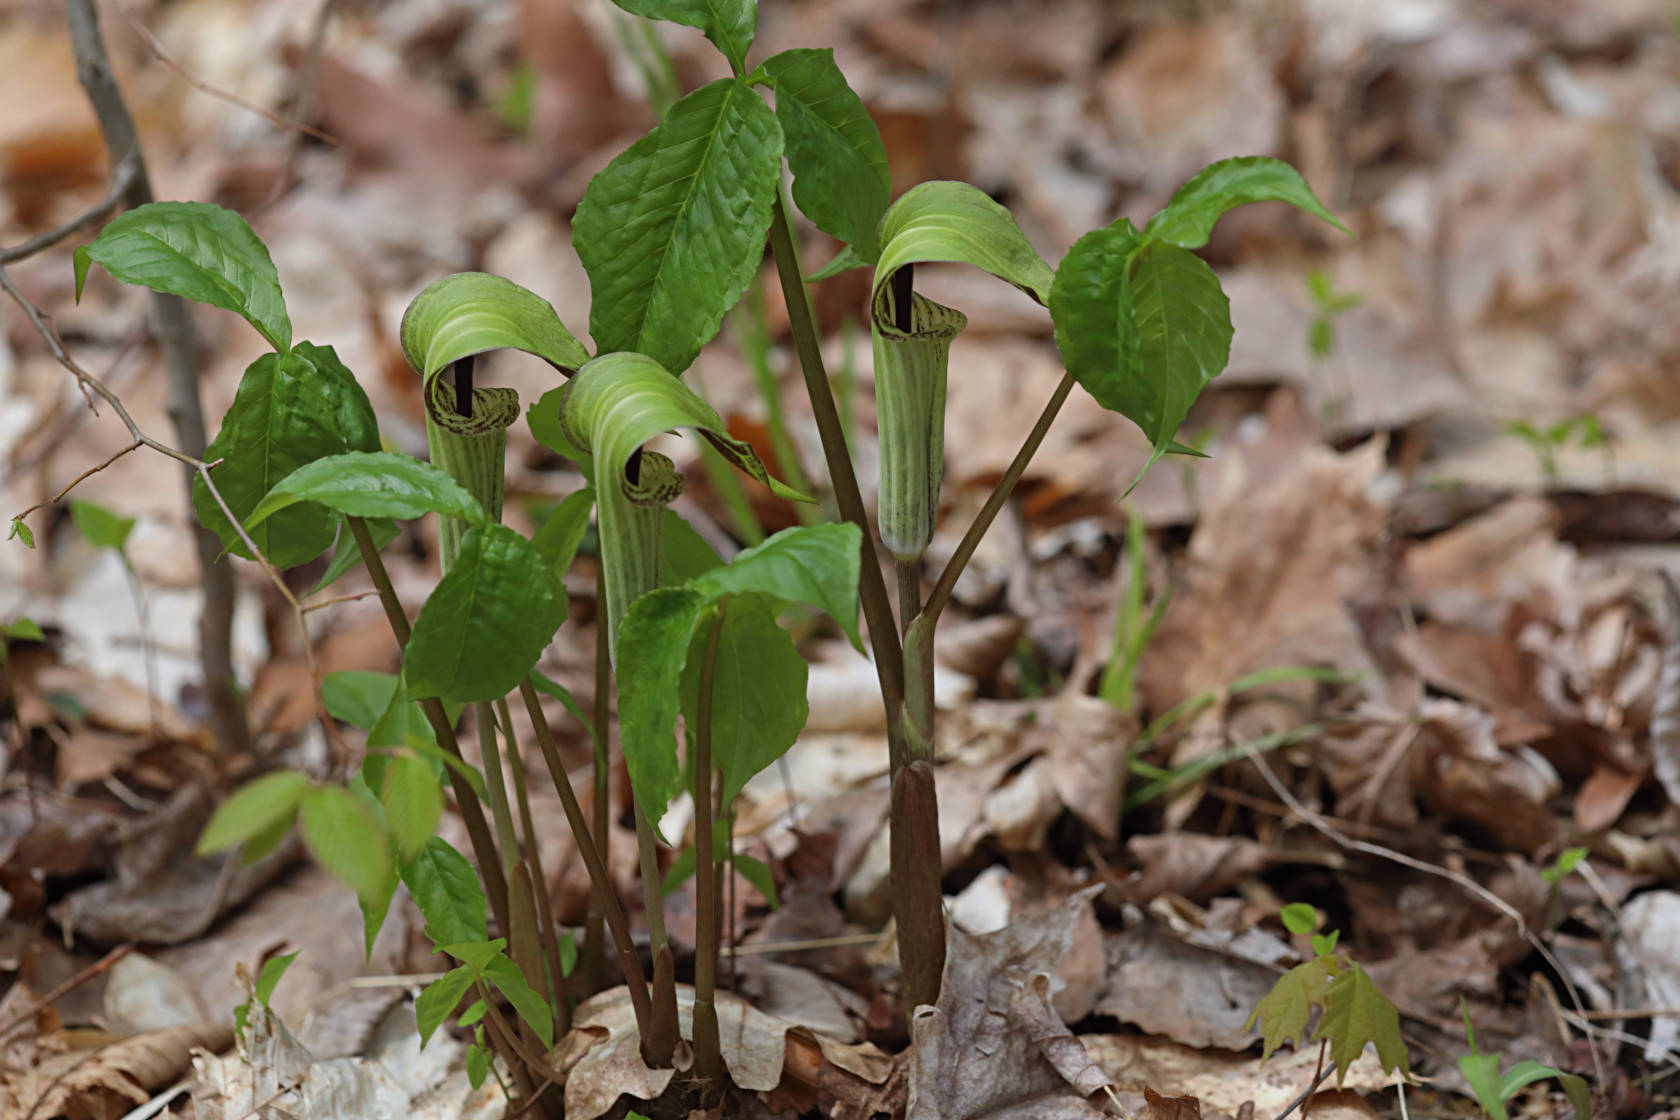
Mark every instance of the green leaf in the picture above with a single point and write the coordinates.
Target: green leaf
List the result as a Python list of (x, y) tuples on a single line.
[(758, 691), (290, 409), (1187, 221), (1356, 1013), (1143, 327), (558, 538), (672, 230), (840, 176), (653, 644), (101, 527), (445, 888), (1283, 1012), (269, 977), (729, 24), (680, 871), (946, 221), (845, 260), (683, 553), (478, 1064), (1482, 1071), (346, 839), (476, 954), (348, 554), (815, 564), (441, 996), (759, 875), (568, 952), (473, 312), (357, 697), (1298, 917), (371, 484), (532, 1008), (23, 630), (374, 911), (544, 420), (22, 532), (554, 688), (266, 842), (252, 808), (487, 621), (199, 252), (474, 1012), (413, 802)]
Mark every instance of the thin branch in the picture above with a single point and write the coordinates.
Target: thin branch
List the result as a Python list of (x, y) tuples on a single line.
[(77, 481), (163, 56), (941, 593), (69, 985), (122, 179)]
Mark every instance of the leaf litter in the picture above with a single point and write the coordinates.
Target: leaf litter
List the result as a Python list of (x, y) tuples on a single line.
[(1492, 631)]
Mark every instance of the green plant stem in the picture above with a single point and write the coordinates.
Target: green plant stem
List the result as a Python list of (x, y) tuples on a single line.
[(594, 937), (708, 1059), (917, 897), (947, 582), (872, 588), (539, 881), (472, 814), (495, 784), (909, 580), (612, 910)]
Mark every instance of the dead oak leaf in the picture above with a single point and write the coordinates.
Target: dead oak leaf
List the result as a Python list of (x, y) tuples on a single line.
[(994, 1048)]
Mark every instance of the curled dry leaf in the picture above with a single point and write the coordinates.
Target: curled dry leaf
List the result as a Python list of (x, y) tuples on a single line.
[(994, 1046), (607, 1050), (109, 1081)]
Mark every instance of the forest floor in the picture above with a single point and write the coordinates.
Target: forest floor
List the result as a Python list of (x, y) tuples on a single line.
[(1416, 654)]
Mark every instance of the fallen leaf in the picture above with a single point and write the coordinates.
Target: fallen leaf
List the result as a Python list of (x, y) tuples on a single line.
[(994, 1046)]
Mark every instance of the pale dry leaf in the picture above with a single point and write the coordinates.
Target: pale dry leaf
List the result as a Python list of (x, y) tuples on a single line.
[(1221, 1079), (1649, 952), (1196, 995), (114, 1078), (754, 1049), (1269, 573), (994, 1047)]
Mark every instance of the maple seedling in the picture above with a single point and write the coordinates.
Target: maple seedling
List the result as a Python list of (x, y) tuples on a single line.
[(1352, 1012)]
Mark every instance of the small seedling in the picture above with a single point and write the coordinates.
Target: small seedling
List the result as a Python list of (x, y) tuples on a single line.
[(1352, 1011), (1493, 1090), (1547, 442), (268, 978), (1328, 306)]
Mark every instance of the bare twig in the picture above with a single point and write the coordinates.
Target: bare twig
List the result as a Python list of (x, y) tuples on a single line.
[(122, 179), (341, 599), (78, 480), (68, 986), (179, 344), (163, 56)]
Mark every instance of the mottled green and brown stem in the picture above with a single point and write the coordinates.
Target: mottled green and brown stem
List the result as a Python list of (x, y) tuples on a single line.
[(599, 878), (594, 941), (472, 814), (708, 1059), (539, 881), (917, 895)]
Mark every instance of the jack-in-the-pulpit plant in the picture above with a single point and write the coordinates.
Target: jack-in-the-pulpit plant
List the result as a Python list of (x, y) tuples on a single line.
[(671, 234)]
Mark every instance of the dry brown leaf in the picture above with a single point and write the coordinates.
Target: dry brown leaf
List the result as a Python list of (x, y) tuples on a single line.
[(994, 1046), (609, 1062), (1268, 574), (1221, 1079), (1191, 864), (1157, 1107), (105, 1083), (1192, 994)]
